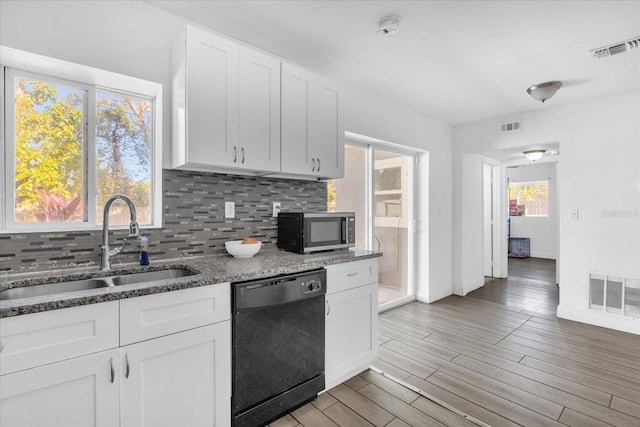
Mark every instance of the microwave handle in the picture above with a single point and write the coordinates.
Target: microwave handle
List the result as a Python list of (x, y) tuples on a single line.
[(344, 236)]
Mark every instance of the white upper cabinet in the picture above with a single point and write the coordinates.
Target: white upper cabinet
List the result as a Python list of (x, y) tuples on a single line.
[(236, 110), (226, 105), (205, 100), (259, 120), (312, 137)]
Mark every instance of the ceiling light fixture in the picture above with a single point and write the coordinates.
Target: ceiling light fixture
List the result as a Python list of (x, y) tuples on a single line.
[(534, 155), (544, 91), (388, 26)]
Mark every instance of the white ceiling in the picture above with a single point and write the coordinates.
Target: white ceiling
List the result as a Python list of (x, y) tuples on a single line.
[(457, 61)]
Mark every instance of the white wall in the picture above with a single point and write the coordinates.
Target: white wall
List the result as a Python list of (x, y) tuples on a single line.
[(542, 231), (134, 38), (598, 175)]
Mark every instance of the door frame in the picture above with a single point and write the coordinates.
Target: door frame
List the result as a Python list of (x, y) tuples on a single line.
[(418, 213)]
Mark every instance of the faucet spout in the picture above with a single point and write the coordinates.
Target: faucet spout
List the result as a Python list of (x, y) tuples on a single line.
[(107, 254)]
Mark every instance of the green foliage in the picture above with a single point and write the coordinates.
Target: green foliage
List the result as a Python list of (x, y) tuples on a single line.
[(50, 150), (49, 146)]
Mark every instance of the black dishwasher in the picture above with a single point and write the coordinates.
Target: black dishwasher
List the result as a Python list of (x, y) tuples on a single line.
[(278, 345)]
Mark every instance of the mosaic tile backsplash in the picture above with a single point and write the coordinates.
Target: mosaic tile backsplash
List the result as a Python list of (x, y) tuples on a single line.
[(193, 222)]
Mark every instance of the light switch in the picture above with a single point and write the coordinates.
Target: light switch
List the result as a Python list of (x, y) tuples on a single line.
[(229, 209), (575, 214)]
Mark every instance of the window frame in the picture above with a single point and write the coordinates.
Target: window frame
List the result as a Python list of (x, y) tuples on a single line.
[(92, 80)]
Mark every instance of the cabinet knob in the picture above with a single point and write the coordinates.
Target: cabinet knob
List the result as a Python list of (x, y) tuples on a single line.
[(313, 164), (328, 307), (235, 154), (113, 373), (242, 149), (318, 164)]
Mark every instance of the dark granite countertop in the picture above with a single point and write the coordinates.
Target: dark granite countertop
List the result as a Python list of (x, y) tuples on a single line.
[(210, 270)]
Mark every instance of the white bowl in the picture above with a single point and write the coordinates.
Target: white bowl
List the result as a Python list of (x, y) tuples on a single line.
[(238, 250)]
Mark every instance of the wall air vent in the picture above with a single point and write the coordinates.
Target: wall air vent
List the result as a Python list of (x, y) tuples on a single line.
[(614, 49), (510, 126)]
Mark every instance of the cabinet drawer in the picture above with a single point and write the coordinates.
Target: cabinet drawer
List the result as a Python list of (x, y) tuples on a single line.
[(51, 336), (349, 275), (152, 316)]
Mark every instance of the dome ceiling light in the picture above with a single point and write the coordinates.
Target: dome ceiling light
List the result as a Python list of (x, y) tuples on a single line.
[(534, 155), (544, 91)]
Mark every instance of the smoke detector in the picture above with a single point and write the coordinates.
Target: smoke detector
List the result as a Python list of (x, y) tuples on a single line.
[(388, 26), (614, 49)]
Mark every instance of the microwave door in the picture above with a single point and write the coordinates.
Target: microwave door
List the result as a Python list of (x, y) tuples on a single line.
[(323, 233)]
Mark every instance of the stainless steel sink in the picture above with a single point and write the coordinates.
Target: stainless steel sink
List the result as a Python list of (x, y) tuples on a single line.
[(150, 276), (101, 282), (53, 288)]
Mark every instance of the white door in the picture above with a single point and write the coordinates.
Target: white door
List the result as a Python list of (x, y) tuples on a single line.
[(212, 98), (487, 217), (80, 392), (182, 379), (351, 333), (326, 133), (259, 114)]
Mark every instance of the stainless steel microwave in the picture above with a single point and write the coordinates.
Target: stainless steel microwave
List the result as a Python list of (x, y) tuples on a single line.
[(304, 232)]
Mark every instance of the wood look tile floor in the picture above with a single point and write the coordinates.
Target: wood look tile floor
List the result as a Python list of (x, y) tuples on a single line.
[(498, 355)]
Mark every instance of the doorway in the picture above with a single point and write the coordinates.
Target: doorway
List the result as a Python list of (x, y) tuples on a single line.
[(379, 186)]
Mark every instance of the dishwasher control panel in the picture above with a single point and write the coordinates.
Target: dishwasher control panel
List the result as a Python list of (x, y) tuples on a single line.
[(311, 285)]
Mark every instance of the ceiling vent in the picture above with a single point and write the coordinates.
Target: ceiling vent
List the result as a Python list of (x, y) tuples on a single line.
[(511, 126), (615, 49)]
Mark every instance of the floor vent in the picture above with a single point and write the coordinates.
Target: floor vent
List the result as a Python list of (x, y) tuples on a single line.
[(614, 49), (510, 126), (614, 294)]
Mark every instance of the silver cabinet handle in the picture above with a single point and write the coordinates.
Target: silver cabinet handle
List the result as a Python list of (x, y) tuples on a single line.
[(318, 164), (355, 273), (235, 154), (113, 373), (328, 308), (242, 149), (313, 164), (127, 369)]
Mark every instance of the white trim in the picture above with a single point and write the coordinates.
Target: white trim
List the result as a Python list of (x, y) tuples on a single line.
[(464, 289), (600, 318), (430, 296), (395, 303)]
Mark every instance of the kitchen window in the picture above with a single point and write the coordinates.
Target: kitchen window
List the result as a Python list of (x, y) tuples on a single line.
[(72, 142)]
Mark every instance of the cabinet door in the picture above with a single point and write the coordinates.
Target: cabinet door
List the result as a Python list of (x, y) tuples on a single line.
[(351, 332), (296, 156), (178, 380), (312, 134), (77, 392), (211, 99), (259, 112), (325, 131)]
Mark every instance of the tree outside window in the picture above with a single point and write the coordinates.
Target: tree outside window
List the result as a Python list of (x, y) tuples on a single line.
[(534, 196)]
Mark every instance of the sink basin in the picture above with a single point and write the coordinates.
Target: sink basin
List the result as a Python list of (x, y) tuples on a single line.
[(150, 276), (101, 282), (52, 288)]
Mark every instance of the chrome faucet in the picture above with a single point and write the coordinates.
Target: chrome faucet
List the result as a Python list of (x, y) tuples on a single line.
[(106, 254)]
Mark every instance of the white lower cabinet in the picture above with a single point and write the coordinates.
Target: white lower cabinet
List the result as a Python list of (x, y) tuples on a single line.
[(173, 369), (76, 392), (351, 328), (178, 380)]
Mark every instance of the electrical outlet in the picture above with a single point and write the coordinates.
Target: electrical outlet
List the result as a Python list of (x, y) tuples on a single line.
[(229, 209), (276, 209)]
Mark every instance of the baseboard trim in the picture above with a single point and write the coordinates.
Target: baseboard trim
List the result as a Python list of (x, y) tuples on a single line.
[(599, 318), (471, 286)]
